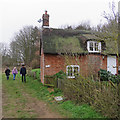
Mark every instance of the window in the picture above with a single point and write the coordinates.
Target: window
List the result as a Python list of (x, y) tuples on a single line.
[(119, 70), (94, 46), (91, 46), (72, 71)]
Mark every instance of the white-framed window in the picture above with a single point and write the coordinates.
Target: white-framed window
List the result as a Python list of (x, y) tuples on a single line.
[(94, 46), (119, 70), (72, 71)]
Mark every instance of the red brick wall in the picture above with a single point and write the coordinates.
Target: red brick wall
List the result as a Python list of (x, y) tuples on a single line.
[(42, 66), (89, 64), (95, 63), (118, 64), (56, 63)]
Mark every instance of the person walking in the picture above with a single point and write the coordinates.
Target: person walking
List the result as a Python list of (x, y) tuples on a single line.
[(14, 72), (23, 73), (7, 72)]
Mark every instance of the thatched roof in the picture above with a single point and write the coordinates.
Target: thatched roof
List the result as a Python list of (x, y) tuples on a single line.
[(56, 41)]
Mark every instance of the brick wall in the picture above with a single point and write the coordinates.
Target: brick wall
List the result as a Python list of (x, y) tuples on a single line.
[(95, 62), (118, 64), (89, 64), (53, 64), (42, 66)]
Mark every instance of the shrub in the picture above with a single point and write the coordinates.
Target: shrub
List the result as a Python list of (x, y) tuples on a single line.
[(30, 73), (101, 95), (56, 92), (35, 73), (115, 78), (50, 80), (54, 79), (35, 64), (106, 76), (60, 75)]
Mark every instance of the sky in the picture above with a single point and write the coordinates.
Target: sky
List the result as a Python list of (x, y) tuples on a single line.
[(16, 14)]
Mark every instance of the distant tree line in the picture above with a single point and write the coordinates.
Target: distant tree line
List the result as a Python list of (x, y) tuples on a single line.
[(24, 48)]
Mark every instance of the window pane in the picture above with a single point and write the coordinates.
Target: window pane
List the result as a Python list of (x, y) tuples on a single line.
[(76, 71), (69, 71), (96, 46), (91, 46)]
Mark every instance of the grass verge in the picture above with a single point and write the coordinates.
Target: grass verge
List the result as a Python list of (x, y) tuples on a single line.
[(36, 89), (37, 71), (14, 103), (66, 108)]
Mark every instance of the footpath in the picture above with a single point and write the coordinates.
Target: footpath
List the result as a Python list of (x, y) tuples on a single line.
[(18, 103)]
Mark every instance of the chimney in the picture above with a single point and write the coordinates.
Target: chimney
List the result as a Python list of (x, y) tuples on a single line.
[(45, 19)]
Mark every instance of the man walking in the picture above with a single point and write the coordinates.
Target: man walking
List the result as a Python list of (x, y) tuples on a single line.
[(23, 73), (7, 72)]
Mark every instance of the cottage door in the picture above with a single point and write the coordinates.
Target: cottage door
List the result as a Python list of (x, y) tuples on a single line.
[(111, 64)]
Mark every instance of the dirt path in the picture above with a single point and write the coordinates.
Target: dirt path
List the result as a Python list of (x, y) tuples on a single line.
[(33, 106), (13, 107), (39, 107)]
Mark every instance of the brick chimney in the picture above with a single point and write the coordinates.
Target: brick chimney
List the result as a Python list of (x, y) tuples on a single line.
[(45, 19)]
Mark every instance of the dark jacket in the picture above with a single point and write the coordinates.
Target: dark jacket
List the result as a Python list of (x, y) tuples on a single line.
[(23, 71), (7, 72)]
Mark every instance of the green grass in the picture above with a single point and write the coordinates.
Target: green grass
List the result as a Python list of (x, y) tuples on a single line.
[(82, 111), (37, 69), (66, 108), (37, 72), (15, 101), (37, 90)]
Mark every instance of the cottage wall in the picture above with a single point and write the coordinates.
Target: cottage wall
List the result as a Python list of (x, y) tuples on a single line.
[(53, 64), (89, 64), (42, 66), (118, 64), (95, 63)]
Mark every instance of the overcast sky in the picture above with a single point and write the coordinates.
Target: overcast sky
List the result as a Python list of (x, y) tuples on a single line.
[(15, 14)]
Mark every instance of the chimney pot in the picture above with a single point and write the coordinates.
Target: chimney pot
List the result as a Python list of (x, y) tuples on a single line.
[(45, 19)]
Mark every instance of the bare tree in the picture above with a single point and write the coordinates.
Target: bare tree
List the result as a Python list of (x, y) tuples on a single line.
[(109, 31), (3, 49), (24, 44), (5, 54), (84, 26)]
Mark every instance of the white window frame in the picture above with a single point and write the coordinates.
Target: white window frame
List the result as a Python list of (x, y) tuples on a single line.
[(73, 66), (99, 46), (118, 68)]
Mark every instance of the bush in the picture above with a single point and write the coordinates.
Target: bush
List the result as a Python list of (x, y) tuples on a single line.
[(50, 80), (60, 75), (35, 73), (54, 79), (102, 96), (106, 76), (35, 64), (115, 78)]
